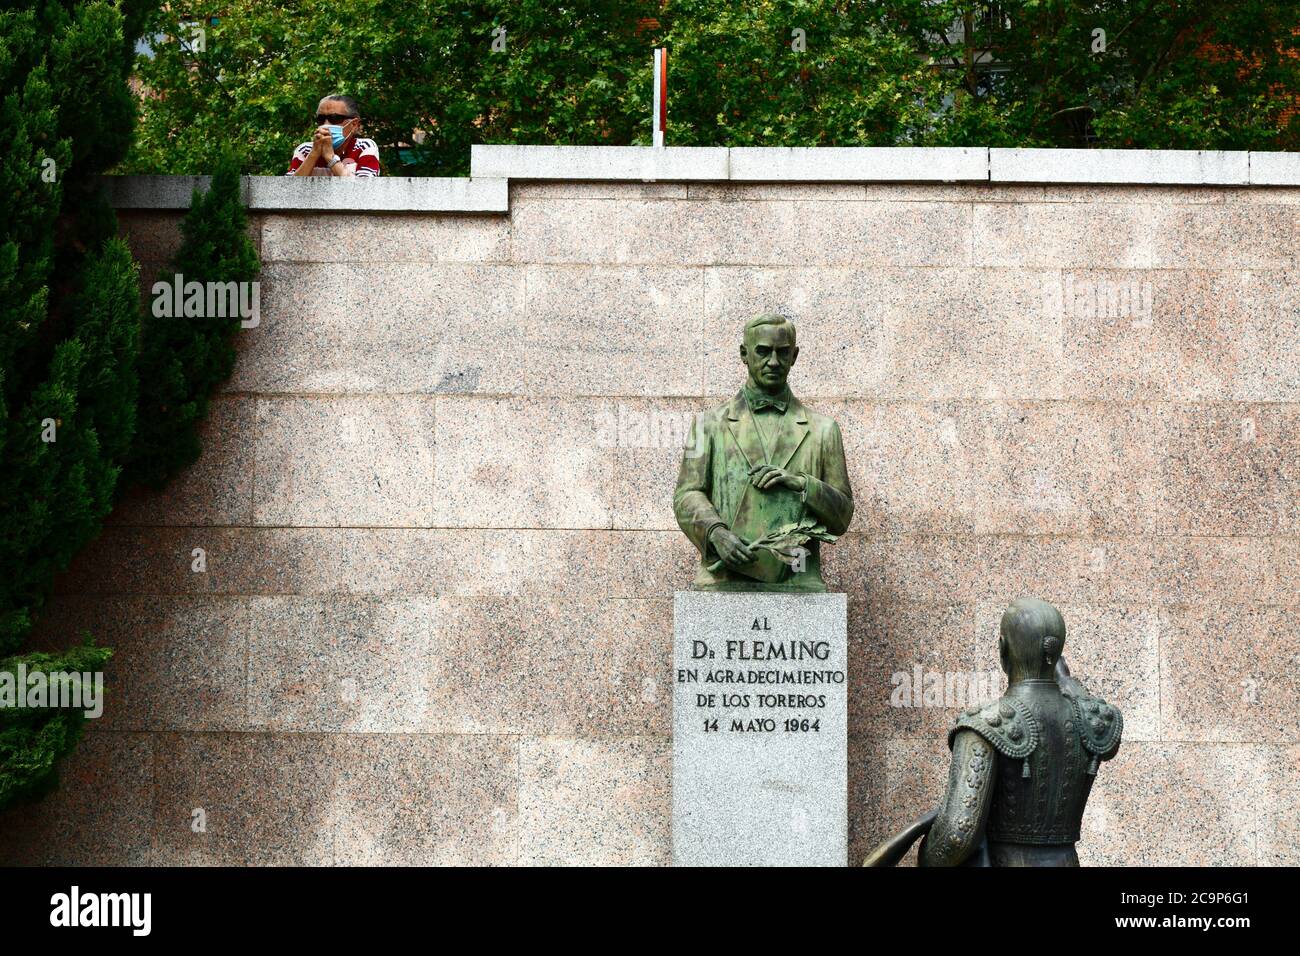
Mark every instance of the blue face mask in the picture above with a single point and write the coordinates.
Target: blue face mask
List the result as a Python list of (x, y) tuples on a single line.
[(337, 133)]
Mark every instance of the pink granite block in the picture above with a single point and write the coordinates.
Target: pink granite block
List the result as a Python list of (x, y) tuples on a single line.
[(100, 815), (417, 800), (595, 802), (1229, 673), (217, 489)]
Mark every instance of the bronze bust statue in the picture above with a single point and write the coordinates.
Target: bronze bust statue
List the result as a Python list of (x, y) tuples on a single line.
[(763, 480), (1022, 767)]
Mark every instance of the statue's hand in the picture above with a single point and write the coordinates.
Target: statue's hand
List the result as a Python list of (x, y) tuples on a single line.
[(1069, 684), (770, 476), (730, 548)]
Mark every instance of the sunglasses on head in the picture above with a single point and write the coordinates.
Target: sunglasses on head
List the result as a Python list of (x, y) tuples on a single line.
[(338, 119)]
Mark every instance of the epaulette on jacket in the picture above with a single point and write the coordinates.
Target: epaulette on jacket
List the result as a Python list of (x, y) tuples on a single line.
[(1008, 724), (1100, 725)]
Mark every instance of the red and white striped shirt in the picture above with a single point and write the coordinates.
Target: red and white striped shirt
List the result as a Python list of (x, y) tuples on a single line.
[(362, 155)]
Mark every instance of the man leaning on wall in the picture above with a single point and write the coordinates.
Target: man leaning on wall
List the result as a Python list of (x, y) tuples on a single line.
[(335, 148)]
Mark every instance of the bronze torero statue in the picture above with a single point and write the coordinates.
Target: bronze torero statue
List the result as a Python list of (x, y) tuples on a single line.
[(1022, 767), (763, 480)]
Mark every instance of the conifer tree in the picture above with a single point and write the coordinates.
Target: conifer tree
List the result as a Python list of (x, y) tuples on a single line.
[(183, 359), (69, 327)]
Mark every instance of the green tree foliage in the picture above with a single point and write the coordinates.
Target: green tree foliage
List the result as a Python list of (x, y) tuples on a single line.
[(1158, 74), (183, 359), (787, 73), (70, 294), (74, 413), (69, 326), (64, 443), (414, 65), (1172, 74), (33, 739), (30, 192)]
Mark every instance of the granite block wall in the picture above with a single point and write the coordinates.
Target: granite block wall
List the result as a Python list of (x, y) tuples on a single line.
[(435, 502)]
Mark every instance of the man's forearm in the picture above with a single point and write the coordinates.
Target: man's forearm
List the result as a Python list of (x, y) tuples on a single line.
[(959, 825), (832, 506), (697, 517)]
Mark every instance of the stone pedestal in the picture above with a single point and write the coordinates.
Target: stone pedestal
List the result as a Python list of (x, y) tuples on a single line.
[(760, 729)]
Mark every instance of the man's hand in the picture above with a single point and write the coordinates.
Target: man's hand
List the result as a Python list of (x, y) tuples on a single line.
[(730, 548), (322, 143), (1069, 684), (763, 477)]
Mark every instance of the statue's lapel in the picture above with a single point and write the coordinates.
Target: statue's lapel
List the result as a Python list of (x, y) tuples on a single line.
[(740, 422), (794, 428)]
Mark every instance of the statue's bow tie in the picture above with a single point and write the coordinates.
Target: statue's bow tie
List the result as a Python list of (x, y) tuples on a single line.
[(759, 402)]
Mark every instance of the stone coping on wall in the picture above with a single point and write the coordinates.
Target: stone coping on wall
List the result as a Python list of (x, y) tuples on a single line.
[(890, 164), (492, 168), (321, 194)]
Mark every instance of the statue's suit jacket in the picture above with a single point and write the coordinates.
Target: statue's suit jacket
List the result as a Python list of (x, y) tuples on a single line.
[(723, 445)]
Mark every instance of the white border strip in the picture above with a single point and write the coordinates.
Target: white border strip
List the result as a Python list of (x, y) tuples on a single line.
[(321, 193), (645, 163), (871, 164), (1275, 169), (884, 164), (492, 167), (1120, 166)]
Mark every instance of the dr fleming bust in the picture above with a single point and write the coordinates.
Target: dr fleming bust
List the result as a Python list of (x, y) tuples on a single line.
[(763, 482)]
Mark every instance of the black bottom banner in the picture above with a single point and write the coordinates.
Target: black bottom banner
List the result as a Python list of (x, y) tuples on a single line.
[(212, 906)]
